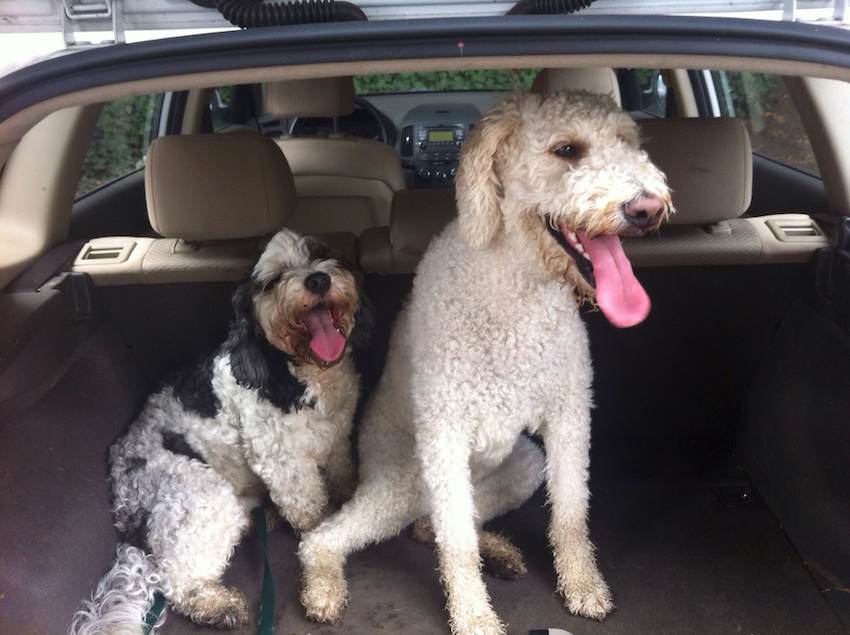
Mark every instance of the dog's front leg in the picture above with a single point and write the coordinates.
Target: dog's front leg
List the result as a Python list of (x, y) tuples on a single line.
[(567, 438), (340, 470), (295, 485), (444, 454)]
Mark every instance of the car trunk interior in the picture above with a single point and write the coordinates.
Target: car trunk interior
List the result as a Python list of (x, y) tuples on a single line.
[(717, 460), (720, 437)]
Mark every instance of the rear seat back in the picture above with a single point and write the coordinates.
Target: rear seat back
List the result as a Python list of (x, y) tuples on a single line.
[(343, 182), (594, 80), (709, 166), (212, 199), (708, 163), (415, 218), (217, 187)]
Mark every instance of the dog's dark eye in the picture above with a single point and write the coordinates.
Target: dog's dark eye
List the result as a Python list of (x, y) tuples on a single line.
[(567, 150), (271, 282)]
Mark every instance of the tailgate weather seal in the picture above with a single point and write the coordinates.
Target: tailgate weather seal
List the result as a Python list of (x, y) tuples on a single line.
[(519, 36)]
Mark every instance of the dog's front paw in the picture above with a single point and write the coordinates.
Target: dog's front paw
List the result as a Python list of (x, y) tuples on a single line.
[(589, 598), (422, 531), (217, 606), (325, 593), (484, 623), (304, 520), (502, 559)]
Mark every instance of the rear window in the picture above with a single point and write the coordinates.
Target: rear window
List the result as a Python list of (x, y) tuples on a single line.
[(444, 81), (764, 104)]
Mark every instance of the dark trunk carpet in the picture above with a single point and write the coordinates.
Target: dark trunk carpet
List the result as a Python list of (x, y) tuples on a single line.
[(679, 558)]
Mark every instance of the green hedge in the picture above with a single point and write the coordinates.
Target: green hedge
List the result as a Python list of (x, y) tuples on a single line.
[(440, 81), (120, 141)]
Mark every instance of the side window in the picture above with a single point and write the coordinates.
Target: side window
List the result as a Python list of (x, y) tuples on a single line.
[(121, 138), (644, 91), (220, 107), (653, 92), (765, 105), (230, 106)]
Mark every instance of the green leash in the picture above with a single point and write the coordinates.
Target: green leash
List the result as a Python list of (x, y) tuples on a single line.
[(265, 625), (154, 613)]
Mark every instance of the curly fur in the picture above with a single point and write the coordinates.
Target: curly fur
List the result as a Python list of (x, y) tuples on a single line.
[(262, 416), (491, 345), (122, 598)]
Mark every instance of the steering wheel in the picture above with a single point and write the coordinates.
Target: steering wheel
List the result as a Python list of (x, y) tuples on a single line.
[(385, 130), (378, 116)]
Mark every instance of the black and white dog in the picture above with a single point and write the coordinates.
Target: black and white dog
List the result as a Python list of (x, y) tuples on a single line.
[(268, 413)]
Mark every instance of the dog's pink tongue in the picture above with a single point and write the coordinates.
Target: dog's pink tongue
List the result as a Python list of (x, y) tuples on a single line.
[(325, 341), (618, 293)]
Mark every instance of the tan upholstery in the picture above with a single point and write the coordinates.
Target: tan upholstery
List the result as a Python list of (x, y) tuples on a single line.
[(213, 187), (345, 243), (417, 216), (594, 80), (214, 199), (732, 242), (343, 183), (37, 187), (709, 166), (326, 97), (350, 157), (708, 163), (375, 251), (172, 260)]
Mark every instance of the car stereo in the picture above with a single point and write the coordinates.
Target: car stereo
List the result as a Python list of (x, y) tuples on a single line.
[(431, 139)]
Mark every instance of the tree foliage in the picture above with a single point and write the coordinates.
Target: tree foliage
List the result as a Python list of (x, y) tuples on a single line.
[(119, 142), (441, 81)]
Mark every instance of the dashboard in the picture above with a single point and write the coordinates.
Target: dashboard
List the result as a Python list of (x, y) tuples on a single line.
[(431, 139), (427, 129)]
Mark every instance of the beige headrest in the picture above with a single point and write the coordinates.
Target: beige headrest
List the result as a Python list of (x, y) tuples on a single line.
[(217, 187), (708, 163), (594, 80), (417, 216), (326, 97)]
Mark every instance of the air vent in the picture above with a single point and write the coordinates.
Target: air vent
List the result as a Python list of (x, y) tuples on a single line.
[(271, 126), (105, 251), (796, 230), (407, 141)]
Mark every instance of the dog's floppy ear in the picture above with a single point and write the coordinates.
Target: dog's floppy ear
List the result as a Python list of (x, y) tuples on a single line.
[(478, 183), (246, 361), (364, 320)]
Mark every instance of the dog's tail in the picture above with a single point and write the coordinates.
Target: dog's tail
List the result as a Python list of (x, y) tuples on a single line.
[(123, 597)]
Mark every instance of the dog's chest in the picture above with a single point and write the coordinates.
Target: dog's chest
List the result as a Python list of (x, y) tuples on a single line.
[(507, 351), (527, 343), (306, 430), (329, 391)]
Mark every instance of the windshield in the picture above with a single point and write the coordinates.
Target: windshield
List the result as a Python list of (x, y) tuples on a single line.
[(445, 81)]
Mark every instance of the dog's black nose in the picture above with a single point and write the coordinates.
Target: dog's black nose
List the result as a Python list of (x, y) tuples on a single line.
[(644, 210), (318, 283)]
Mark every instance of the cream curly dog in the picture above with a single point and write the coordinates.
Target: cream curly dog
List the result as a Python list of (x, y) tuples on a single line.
[(491, 345), (269, 412)]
